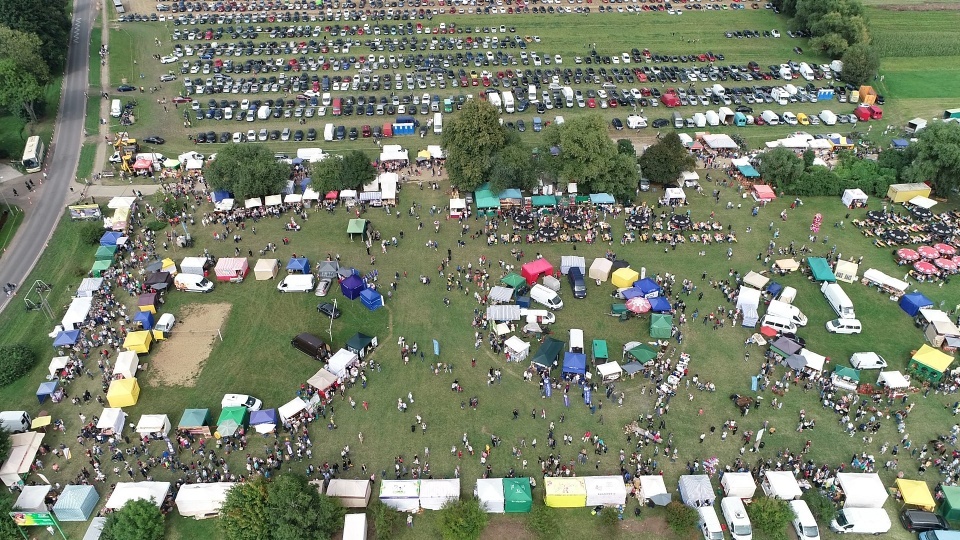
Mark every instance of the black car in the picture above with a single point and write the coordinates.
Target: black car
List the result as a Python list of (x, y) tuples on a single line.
[(327, 309), (660, 122), (201, 138), (921, 521), (126, 88), (311, 134), (353, 134), (154, 140), (521, 127), (298, 135), (744, 109), (225, 137), (341, 133), (617, 124)]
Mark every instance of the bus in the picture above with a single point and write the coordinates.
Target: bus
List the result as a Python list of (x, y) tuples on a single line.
[(33, 155)]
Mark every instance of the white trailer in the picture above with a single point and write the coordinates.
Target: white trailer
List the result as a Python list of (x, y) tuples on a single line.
[(508, 102)]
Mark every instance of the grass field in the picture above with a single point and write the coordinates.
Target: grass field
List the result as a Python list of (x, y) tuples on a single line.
[(88, 155), (10, 226)]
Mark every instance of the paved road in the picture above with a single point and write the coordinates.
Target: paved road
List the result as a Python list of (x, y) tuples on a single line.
[(46, 203)]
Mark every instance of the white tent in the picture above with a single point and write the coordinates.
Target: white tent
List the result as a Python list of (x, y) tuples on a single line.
[(354, 527), (893, 379), (153, 424), (852, 195), (340, 363), (58, 363), (194, 164), (112, 420), (503, 312), (719, 141), (862, 490), (500, 295), (322, 380), (193, 265), (401, 495), (846, 271), (883, 280), (605, 490), (435, 151), (393, 152), (350, 493), (489, 492), (88, 286), (117, 203), (755, 280), (814, 361), (23, 451), (273, 200), (310, 194), (748, 302), (388, 186), (131, 491), (201, 501), (435, 493), (127, 364), (609, 371), (571, 261), (31, 499), (292, 198), (292, 408), (653, 488), (225, 205), (689, 179), (95, 529), (458, 207), (786, 265), (600, 269), (781, 485), (518, 348), (77, 312), (737, 484), (672, 194), (696, 490), (923, 202), (266, 269), (253, 203)]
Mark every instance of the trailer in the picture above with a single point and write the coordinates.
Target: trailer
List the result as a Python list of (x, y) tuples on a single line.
[(508, 106), (726, 116)]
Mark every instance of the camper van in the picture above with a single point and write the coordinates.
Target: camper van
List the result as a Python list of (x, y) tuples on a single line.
[(543, 295), (803, 522), (576, 340), (709, 523), (437, 123), (780, 324), (838, 300), (735, 516), (296, 283), (787, 311), (577, 283), (15, 421), (861, 520), (192, 283), (115, 108)]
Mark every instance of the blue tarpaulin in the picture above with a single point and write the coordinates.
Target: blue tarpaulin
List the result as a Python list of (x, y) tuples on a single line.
[(900, 143), (574, 363), (632, 292), (602, 198), (220, 195), (912, 303), (436, 348), (66, 338), (145, 318)]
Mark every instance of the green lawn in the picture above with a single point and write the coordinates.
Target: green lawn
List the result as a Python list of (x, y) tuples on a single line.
[(88, 158), (10, 227), (91, 123), (14, 131), (96, 39)]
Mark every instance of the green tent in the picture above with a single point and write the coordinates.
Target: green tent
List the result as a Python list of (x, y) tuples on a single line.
[(950, 506), (99, 268), (821, 269), (848, 372), (516, 495), (660, 326), (543, 200), (231, 419), (600, 351), (548, 353), (105, 253), (486, 199), (643, 353), (357, 226), (513, 280), (194, 418)]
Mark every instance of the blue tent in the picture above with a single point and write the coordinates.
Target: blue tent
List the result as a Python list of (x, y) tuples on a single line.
[(574, 363), (46, 389), (774, 288), (266, 416), (76, 503), (900, 143), (659, 304), (748, 171), (510, 194), (145, 318), (220, 195), (602, 198), (648, 287), (66, 338), (912, 303), (352, 286), (299, 265), (631, 293), (305, 183), (371, 299), (110, 238)]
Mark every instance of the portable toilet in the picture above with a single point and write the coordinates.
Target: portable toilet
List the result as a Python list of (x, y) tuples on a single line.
[(739, 119), (405, 125), (862, 113)]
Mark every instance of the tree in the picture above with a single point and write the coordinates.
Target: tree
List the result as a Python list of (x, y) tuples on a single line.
[(664, 161), (816, 181), (470, 140), (90, 232), (25, 49), (247, 170), (896, 159), (860, 64), (589, 157), (8, 530), (780, 167), (462, 519), (327, 175), (610, 521), (243, 515), (770, 516), (385, 520), (47, 19), (681, 518), (624, 146), (295, 510), (5, 444), (19, 90), (543, 521), (820, 505), (16, 359), (169, 205), (513, 167), (937, 158), (357, 170), (139, 519)]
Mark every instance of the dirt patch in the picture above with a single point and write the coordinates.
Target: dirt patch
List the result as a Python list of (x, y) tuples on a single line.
[(498, 529), (650, 526), (179, 359)]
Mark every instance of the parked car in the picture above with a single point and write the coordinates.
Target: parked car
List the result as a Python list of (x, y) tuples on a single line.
[(323, 287), (329, 310), (241, 400), (153, 139), (126, 88), (922, 521)]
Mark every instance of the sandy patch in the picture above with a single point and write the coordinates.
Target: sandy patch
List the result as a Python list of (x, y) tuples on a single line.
[(179, 359)]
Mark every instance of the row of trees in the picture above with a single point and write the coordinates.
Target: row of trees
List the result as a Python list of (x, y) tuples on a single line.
[(839, 29)]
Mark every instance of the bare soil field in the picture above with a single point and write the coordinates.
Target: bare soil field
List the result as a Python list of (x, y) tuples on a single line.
[(178, 360)]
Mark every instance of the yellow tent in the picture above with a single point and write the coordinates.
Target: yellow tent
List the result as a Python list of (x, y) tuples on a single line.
[(899, 193), (167, 265), (123, 393), (916, 493), (933, 358), (624, 277), (138, 342), (563, 492)]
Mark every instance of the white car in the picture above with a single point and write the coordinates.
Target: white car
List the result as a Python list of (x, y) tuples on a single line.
[(168, 78), (775, 33), (323, 287), (844, 326), (241, 400), (168, 59), (558, 59)]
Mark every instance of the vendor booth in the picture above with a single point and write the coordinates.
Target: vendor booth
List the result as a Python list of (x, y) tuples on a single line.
[(534, 270), (437, 492), (195, 266), (291, 409), (605, 490), (548, 355), (66, 338), (361, 344), (652, 488), (231, 268), (350, 493), (76, 502), (820, 269), (231, 420), (23, 452), (298, 265), (203, 500), (912, 303), (781, 485), (143, 320), (458, 208), (674, 196), (32, 498), (786, 265), (401, 495), (322, 380), (341, 362), (846, 271), (266, 269), (564, 492), (893, 380), (148, 302), (112, 421), (737, 484), (371, 299), (489, 492), (571, 261), (89, 286), (125, 492), (624, 277), (50, 390), (862, 490), (352, 286), (264, 421), (196, 422), (77, 312), (153, 425), (354, 527), (648, 288), (57, 367), (854, 198), (762, 193), (950, 504), (574, 363), (123, 392), (328, 270), (755, 280), (159, 281), (661, 326), (884, 282), (916, 493), (609, 371), (517, 350), (600, 269), (929, 363), (696, 490), (748, 302), (517, 495)]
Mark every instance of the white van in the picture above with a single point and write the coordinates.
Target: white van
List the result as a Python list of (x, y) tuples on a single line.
[(296, 283), (787, 311), (861, 520), (576, 340), (770, 117), (165, 323), (115, 108), (803, 522), (709, 523), (844, 326), (328, 132), (545, 296), (539, 316), (780, 324), (192, 283), (15, 421), (735, 515), (263, 112), (787, 295), (867, 360), (437, 123), (838, 300)]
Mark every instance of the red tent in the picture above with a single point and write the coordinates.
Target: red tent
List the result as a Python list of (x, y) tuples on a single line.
[(331, 196), (763, 192), (534, 269), (862, 113)]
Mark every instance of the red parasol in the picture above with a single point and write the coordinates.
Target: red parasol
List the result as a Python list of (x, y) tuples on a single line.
[(928, 252), (946, 249), (945, 264), (638, 304), (924, 267), (907, 254)]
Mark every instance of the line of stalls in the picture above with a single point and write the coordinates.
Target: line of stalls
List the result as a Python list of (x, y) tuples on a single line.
[(489, 203)]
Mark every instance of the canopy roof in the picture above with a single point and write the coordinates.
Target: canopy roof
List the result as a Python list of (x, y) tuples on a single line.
[(565, 492), (130, 491), (486, 199), (202, 500), (933, 358), (763, 192), (916, 493), (862, 490), (652, 487), (356, 226), (193, 418), (548, 352), (574, 363), (513, 280), (782, 485), (893, 379), (489, 492), (76, 503), (755, 280), (517, 495), (821, 269), (322, 379)]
